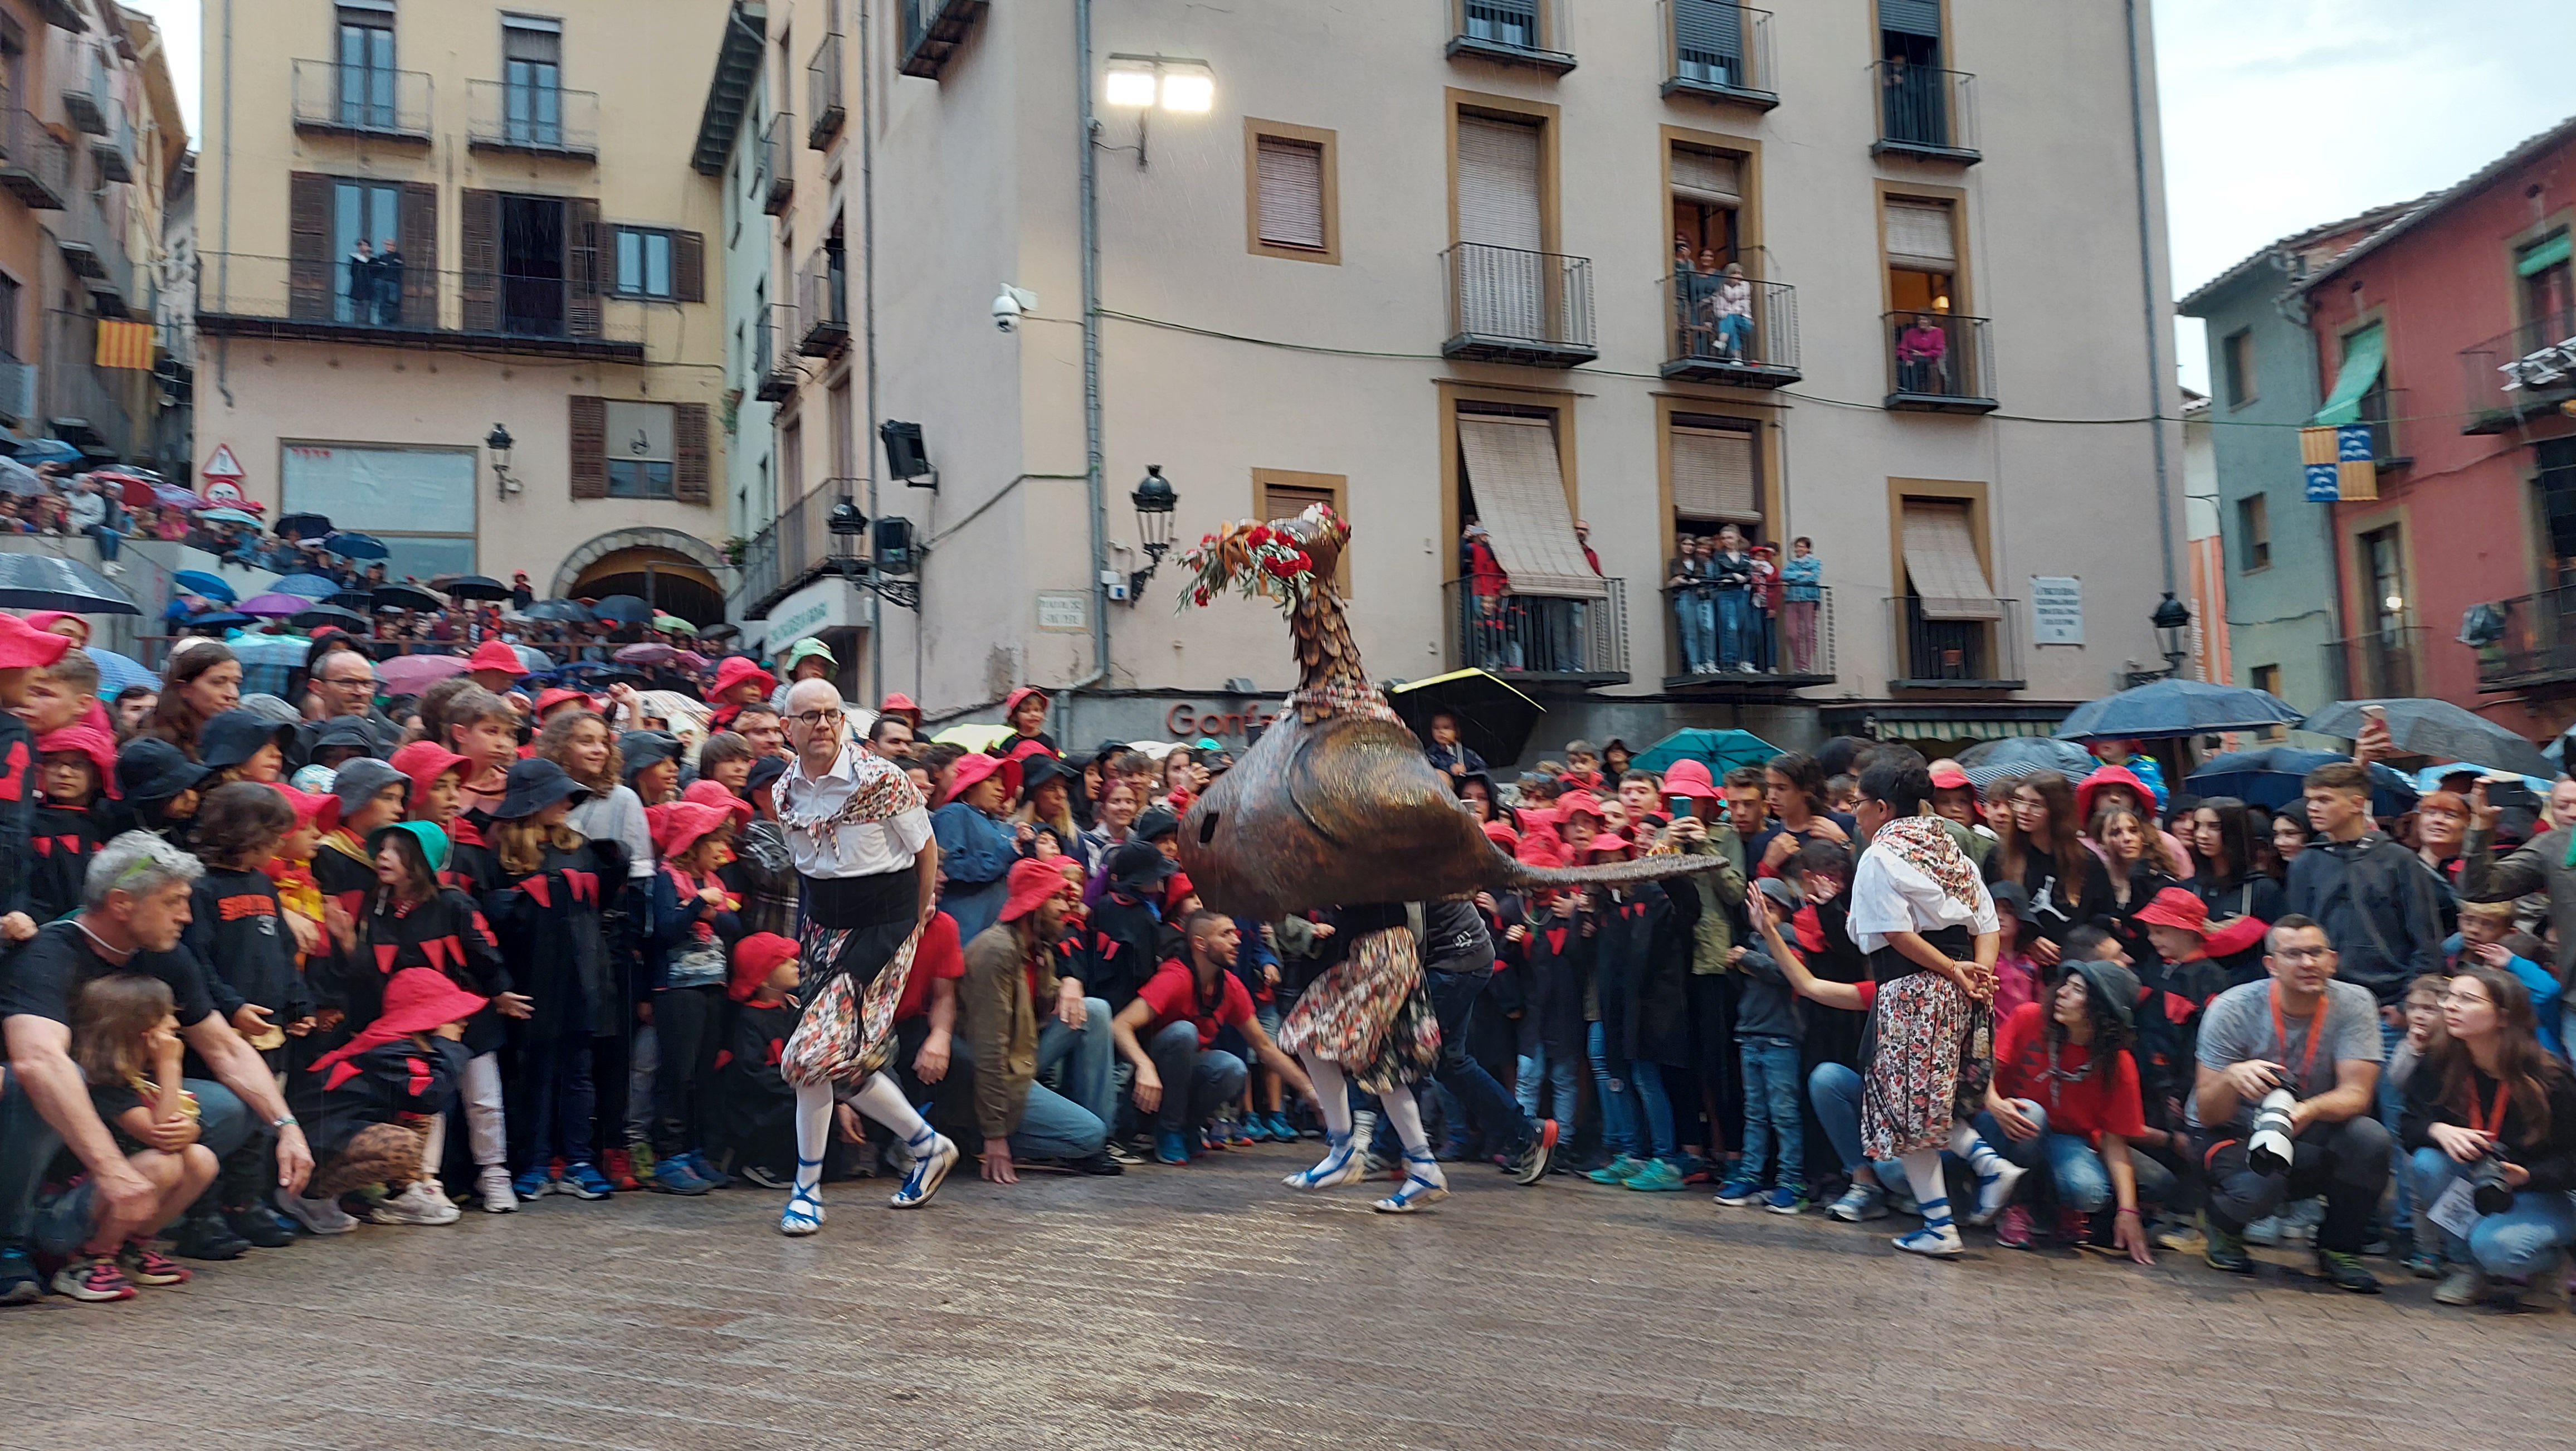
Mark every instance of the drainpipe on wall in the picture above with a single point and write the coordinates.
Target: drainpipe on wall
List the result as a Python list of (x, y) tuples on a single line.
[(868, 306), (224, 223), (1092, 466), (2147, 300)]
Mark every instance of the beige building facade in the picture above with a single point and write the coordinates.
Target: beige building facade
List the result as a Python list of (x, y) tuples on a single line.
[(454, 280), (1417, 260)]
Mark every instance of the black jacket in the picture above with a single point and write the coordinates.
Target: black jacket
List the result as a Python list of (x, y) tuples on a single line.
[(60, 842), (238, 931), (392, 1081), (17, 809), (553, 943), (2551, 1160), (2380, 907)]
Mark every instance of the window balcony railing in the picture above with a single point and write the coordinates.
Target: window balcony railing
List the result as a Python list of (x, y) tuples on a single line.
[(1938, 362), (1954, 654), (2520, 374), (1507, 305), (94, 250), (531, 120), (2384, 413), (778, 162), (932, 31), (1575, 641), (17, 392), (2384, 664), (1514, 32), (1749, 341), (1926, 114), (823, 303), (2538, 646), (1718, 50), (331, 99), (795, 546), (823, 93), (88, 98), (329, 299), (35, 165), (773, 355), (1788, 650), (113, 152)]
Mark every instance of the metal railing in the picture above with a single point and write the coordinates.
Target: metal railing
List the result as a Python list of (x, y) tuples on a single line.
[(347, 100), (93, 246), (2539, 643), (2518, 374), (795, 544), (1515, 32), (773, 354), (1751, 339), (71, 387), (1544, 635), (823, 304), (1719, 50), (2384, 413), (532, 120), (112, 151), (1954, 652), (240, 294), (2382, 664), (84, 86), (1938, 361), (932, 31), (35, 164), (17, 391), (778, 161), (1925, 112), (1792, 645), (823, 92), (1511, 305)]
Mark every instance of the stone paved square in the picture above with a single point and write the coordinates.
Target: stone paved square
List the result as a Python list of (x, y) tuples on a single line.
[(1209, 1306)]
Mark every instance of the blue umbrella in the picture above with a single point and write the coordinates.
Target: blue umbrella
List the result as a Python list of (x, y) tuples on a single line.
[(569, 611), (223, 618), (1989, 761), (203, 585), (116, 672), (35, 451), (356, 546), (624, 609), (1721, 751), (2439, 728), (310, 586), (2272, 777), (2170, 708)]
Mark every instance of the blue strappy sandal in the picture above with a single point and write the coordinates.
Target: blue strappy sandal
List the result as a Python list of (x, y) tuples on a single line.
[(1340, 1165), (804, 1212), (1417, 1190), (931, 1162)]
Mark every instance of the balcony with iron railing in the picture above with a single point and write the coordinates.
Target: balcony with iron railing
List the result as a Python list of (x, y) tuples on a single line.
[(2538, 646), (1954, 654), (2520, 374), (35, 164), (1787, 650), (773, 355), (932, 32), (17, 392), (1938, 362), (823, 304), (1543, 638), (2384, 413), (1717, 50), (1528, 33), (531, 120), (823, 93), (332, 299), (85, 83), (332, 99), (112, 152), (1507, 305), (1715, 336), (795, 547), (778, 163), (2384, 664), (92, 406), (93, 249), (1925, 114)]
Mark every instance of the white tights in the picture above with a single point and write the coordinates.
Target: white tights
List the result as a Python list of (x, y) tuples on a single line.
[(878, 1098)]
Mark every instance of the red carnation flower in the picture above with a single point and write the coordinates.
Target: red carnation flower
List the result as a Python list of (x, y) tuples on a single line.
[(1257, 535)]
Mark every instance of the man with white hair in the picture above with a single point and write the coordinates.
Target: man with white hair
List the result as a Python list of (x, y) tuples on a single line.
[(862, 843), (135, 902)]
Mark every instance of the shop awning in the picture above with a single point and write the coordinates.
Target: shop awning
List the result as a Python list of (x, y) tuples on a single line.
[(1941, 562), (2541, 257), (2363, 353), (1520, 499), (1943, 728)]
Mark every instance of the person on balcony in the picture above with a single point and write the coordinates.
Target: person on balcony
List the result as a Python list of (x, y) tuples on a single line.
[(389, 284), (1731, 304), (1488, 584), (1801, 580), (362, 281), (1730, 571), (1921, 353), (1692, 609)]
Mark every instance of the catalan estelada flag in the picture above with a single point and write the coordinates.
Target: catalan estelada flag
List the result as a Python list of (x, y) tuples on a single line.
[(125, 345)]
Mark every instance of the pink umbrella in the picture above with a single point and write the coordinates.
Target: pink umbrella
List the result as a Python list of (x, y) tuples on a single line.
[(412, 674), (274, 605), (651, 652)]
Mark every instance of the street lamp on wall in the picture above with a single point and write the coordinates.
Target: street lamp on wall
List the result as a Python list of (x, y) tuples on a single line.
[(500, 443), (1155, 499), (1139, 83), (2172, 623)]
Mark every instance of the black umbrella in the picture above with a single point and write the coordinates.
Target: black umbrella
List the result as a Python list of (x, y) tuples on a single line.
[(624, 609), (321, 615), (221, 620), (303, 526), (1989, 761), (569, 611), (44, 582), (1494, 720), (476, 587), (2440, 729), (405, 597), (356, 600)]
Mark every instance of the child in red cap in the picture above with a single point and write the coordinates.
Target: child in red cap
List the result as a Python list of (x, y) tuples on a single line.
[(755, 1106), (76, 765), (21, 650)]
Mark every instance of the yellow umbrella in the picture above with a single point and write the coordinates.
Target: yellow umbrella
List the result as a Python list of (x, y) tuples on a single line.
[(974, 737)]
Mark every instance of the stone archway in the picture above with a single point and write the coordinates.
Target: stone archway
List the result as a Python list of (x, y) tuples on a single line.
[(687, 546)]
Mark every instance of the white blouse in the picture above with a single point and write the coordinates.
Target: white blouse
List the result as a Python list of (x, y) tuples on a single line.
[(1890, 896)]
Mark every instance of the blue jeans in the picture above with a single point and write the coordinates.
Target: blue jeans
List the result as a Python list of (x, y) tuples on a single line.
[(2392, 1103), (1834, 1092), (2070, 1166), (2521, 1241), (1488, 1109), (1197, 1082), (1734, 628), (1771, 1111), (28, 1145), (549, 1109), (1698, 620), (1538, 1070), (109, 541), (1075, 1123), (1655, 1109), (1734, 333), (1620, 1111)]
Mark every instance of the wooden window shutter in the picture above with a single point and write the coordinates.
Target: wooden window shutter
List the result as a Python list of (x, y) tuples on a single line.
[(308, 247), (1711, 178), (479, 248), (419, 226), (581, 268), (589, 447), (1714, 476), (1291, 192), (690, 467), (688, 267)]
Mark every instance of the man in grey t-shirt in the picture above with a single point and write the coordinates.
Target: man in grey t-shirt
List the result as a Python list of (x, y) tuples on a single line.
[(2319, 1039)]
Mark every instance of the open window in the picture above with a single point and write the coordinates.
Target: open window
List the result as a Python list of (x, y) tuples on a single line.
[(1949, 621)]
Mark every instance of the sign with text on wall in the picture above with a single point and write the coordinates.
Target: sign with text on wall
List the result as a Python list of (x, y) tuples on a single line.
[(2056, 610), (1064, 609)]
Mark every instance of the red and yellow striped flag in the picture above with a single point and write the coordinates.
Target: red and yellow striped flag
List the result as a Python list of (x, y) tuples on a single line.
[(125, 345)]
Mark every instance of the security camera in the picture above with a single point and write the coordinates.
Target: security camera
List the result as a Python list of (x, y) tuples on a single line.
[(1008, 307)]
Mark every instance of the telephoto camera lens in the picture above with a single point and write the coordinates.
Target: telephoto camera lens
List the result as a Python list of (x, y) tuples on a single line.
[(2267, 1149), (2487, 1188)]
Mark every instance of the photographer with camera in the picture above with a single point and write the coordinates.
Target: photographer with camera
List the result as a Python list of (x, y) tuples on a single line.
[(2491, 1119), (2281, 1109)]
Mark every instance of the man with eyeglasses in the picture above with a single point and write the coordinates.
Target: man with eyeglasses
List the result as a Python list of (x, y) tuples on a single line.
[(343, 682), (2319, 1039)]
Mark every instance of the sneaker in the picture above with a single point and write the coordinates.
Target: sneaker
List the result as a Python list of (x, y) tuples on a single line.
[(674, 1175), (766, 1178), (2224, 1249), (492, 1186), (624, 1170), (2013, 1229), (1785, 1199), (318, 1216), (2347, 1272), (2074, 1227), (1735, 1193), (260, 1226), (1098, 1166), (93, 1278), (1659, 1176), (1235, 1136), (1900, 1196), (2264, 1231), (112, 568), (1255, 1129), (1209, 1138), (534, 1184), (1616, 1173), (203, 1235), (930, 1166), (145, 1265), (2182, 1236), (582, 1180), (1940, 1244), (2548, 1288), (1859, 1202), (1124, 1153), (2424, 1264), (716, 1178), (20, 1283), (1170, 1147), (1282, 1131), (419, 1203), (1531, 1166), (1696, 1170), (2464, 1285)]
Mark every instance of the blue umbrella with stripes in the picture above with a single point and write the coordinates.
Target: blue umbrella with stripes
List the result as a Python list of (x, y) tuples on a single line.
[(116, 672), (204, 586)]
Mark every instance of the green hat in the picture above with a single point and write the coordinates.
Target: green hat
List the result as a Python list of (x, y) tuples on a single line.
[(433, 842), (806, 649)]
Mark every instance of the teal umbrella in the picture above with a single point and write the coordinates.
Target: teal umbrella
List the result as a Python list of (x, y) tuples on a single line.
[(1720, 751)]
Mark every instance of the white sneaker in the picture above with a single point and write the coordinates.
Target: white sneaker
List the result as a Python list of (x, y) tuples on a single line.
[(113, 568), (318, 1216), (421, 1203), (493, 1183)]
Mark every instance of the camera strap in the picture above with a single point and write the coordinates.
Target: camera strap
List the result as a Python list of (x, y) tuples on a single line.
[(2281, 1035), (2493, 1129)]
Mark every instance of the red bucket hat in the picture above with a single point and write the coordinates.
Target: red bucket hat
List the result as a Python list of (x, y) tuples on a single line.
[(424, 762), (554, 696), (754, 959), (713, 793), (1500, 833), (678, 825), (899, 704), (417, 999), (1011, 702), (22, 647), (1033, 882), (494, 655), (733, 670), (2175, 907), (1689, 778), (90, 741), (1579, 802), (973, 768)]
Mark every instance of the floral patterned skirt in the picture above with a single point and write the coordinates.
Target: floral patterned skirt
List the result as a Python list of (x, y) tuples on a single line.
[(1909, 1093), (847, 1032), (1369, 1014)]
